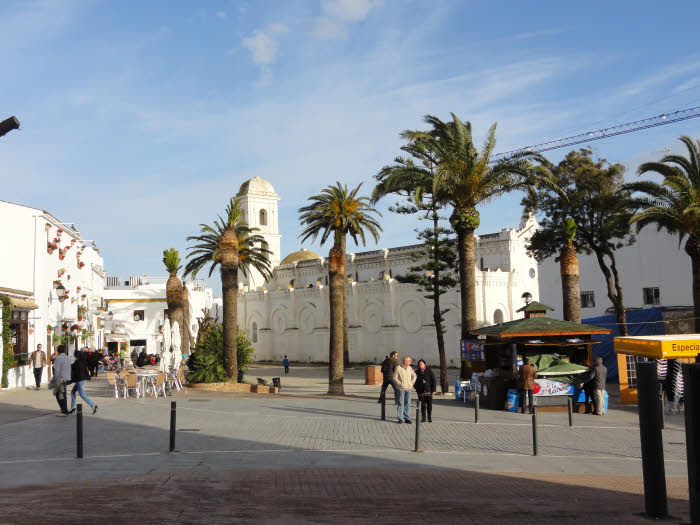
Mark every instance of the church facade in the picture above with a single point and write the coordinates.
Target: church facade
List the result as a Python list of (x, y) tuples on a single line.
[(289, 315)]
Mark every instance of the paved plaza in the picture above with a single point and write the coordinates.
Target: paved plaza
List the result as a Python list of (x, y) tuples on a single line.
[(253, 443)]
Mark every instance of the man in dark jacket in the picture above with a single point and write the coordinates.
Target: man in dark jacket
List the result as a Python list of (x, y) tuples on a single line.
[(595, 379), (425, 386), (388, 368)]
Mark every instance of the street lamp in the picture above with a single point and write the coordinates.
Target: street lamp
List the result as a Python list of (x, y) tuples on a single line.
[(61, 292)]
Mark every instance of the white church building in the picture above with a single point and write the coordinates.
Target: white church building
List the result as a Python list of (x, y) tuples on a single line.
[(290, 314)]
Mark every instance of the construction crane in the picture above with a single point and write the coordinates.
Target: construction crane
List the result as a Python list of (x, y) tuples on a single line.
[(621, 129)]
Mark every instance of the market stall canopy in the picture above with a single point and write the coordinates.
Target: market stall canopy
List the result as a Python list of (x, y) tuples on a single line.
[(659, 346), (538, 326)]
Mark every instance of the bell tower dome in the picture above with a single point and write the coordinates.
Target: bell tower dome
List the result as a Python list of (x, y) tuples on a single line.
[(258, 202)]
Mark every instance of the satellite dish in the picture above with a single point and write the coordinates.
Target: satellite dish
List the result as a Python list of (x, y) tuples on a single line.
[(526, 297)]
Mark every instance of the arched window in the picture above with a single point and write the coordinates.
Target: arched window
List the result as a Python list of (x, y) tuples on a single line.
[(254, 329), (265, 246), (263, 218), (498, 316)]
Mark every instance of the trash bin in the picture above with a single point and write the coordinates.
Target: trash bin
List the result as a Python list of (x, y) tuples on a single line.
[(512, 400), (276, 381), (373, 375)]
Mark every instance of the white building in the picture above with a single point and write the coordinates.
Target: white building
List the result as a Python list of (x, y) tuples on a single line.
[(39, 253), (137, 309), (290, 314), (654, 271)]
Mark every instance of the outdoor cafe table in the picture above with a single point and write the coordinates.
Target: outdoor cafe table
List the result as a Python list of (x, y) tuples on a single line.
[(144, 374)]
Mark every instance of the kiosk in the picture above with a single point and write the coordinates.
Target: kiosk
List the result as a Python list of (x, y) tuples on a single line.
[(630, 350)]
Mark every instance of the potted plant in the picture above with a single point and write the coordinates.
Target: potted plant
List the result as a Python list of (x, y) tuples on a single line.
[(59, 231), (68, 277), (72, 242), (51, 246), (56, 283), (72, 338), (82, 312), (30, 329), (56, 339), (61, 271), (61, 256), (64, 326), (47, 226), (77, 289), (75, 328), (81, 264), (84, 296), (49, 329)]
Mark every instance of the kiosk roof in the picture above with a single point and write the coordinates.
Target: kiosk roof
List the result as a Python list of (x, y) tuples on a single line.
[(659, 346)]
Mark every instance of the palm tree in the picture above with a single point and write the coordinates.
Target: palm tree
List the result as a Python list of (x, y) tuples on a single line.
[(415, 179), (176, 296), (337, 211), (568, 268), (674, 205), (465, 179), (231, 245)]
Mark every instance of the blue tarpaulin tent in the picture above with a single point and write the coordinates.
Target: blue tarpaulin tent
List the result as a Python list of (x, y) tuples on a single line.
[(639, 322)]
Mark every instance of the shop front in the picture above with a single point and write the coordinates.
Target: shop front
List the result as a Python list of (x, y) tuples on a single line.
[(633, 349), (561, 352)]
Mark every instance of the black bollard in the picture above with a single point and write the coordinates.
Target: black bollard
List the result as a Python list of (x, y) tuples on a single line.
[(172, 425), (653, 469), (417, 447), (384, 407), (79, 434), (691, 395), (662, 416), (534, 431), (570, 407), (476, 406)]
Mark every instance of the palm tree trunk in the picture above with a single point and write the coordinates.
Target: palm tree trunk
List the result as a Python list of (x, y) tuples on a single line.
[(346, 341), (692, 248), (464, 222), (229, 289), (568, 267), (437, 316), (336, 274)]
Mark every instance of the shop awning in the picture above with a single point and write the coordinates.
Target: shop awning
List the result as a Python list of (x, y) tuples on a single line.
[(27, 304), (116, 338), (659, 346)]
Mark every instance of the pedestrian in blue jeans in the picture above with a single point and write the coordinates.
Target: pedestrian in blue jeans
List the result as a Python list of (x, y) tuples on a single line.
[(405, 377), (79, 374)]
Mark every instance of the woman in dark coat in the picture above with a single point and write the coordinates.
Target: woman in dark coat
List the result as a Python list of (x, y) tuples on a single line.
[(425, 386)]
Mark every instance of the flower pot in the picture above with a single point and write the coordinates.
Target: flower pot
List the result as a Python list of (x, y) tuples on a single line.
[(80, 319), (47, 226)]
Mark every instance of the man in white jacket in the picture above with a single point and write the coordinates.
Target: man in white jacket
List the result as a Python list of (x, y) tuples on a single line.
[(404, 376), (62, 377)]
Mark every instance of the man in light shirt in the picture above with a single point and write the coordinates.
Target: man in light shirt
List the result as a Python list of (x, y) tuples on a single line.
[(62, 377), (404, 376), (38, 360)]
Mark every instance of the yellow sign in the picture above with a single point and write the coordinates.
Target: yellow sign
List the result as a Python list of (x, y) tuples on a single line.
[(660, 346)]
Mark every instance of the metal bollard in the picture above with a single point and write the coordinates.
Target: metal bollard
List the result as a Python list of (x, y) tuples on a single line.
[(571, 415), (691, 394), (534, 431), (173, 414), (653, 469), (476, 406), (417, 447), (79, 434), (384, 407)]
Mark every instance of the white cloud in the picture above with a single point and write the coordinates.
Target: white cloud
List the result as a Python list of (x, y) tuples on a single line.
[(263, 46), (337, 14), (663, 76), (220, 15), (690, 84)]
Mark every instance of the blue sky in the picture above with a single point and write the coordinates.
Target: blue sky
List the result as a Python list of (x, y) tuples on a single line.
[(141, 119)]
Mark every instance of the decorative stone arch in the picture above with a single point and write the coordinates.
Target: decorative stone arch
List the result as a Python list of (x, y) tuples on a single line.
[(411, 315), (372, 315), (279, 321), (500, 314), (306, 318)]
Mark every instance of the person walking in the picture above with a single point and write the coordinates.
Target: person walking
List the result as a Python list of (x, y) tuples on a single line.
[(425, 387), (80, 374), (597, 377), (285, 364), (388, 368), (405, 377), (526, 379), (38, 361), (62, 370), (122, 356)]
